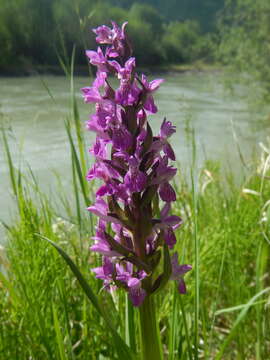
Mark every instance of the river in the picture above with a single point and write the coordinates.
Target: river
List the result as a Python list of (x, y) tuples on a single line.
[(189, 100)]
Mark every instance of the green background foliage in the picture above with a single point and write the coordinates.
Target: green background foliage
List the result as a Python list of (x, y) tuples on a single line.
[(37, 32), (244, 40)]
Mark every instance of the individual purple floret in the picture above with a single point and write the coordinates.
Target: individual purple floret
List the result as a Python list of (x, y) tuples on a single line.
[(178, 272), (135, 229)]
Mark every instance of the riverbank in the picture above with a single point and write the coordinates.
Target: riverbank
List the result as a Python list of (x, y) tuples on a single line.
[(195, 102), (85, 70)]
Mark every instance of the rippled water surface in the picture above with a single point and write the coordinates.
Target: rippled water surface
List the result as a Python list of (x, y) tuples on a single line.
[(190, 100)]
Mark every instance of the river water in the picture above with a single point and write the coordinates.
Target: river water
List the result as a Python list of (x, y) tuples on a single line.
[(189, 100)]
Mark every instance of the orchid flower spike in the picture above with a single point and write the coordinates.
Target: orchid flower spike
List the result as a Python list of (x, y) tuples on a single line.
[(133, 203)]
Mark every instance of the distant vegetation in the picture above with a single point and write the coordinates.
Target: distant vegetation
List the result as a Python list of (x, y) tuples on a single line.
[(234, 33), (245, 40), (38, 32)]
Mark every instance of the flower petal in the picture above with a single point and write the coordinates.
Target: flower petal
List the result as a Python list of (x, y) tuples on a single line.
[(137, 296), (167, 192)]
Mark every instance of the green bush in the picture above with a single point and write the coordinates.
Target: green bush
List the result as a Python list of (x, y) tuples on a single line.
[(245, 46), (181, 41), (147, 50)]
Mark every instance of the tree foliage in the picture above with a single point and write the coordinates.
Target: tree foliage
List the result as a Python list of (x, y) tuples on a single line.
[(245, 40), (181, 40), (37, 32)]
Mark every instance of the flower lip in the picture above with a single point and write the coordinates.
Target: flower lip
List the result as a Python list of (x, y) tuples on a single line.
[(178, 272)]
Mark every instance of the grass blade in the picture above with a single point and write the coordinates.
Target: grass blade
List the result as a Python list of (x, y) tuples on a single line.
[(10, 163), (196, 248), (76, 116), (173, 327), (238, 320), (238, 307), (77, 164), (130, 325), (189, 349), (123, 350), (8, 286), (59, 339)]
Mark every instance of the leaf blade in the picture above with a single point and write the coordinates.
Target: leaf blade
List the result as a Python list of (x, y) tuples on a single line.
[(124, 352)]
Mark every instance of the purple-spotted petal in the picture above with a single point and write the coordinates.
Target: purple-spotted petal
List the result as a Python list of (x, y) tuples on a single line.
[(165, 210), (178, 272), (133, 282), (137, 295), (98, 59), (100, 208), (169, 237), (99, 272), (172, 221), (168, 150), (99, 149), (167, 192), (103, 249), (115, 64), (105, 271), (166, 129), (182, 286), (135, 181), (104, 34), (91, 95), (154, 85), (107, 267), (149, 105), (106, 189), (121, 138)]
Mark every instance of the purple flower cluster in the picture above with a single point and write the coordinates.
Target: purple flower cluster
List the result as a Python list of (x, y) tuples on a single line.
[(134, 168)]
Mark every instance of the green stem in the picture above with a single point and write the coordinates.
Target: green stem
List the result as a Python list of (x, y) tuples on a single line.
[(151, 348), (130, 326)]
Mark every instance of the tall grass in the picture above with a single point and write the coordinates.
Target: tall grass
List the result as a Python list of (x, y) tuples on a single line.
[(225, 315)]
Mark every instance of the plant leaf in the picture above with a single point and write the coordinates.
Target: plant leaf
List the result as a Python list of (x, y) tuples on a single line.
[(124, 352), (167, 271)]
